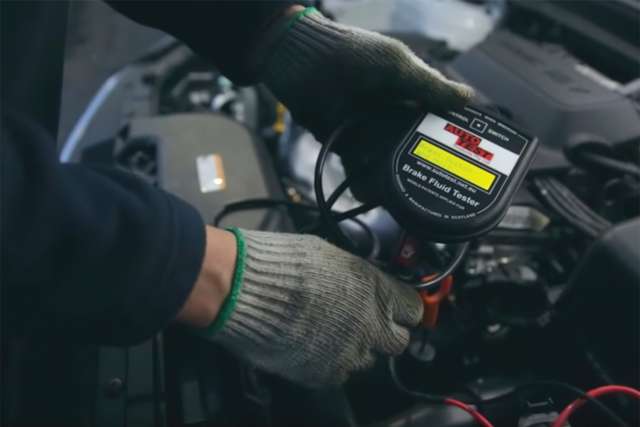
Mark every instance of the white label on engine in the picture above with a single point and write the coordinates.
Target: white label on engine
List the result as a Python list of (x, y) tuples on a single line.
[(210, 173), (524, 218)]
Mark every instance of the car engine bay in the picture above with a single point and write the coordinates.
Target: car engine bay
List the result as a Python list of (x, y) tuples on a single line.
[(545, 303)]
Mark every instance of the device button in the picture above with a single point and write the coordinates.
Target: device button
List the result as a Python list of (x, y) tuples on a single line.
[(478, 125)]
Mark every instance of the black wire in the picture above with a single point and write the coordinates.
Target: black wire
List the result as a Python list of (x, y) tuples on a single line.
[(266, 203), (331, 221), (427, 397), (577, 392), (351, 213), (435, 398), (461, 251), (325, 215), (253, 204), (338, 192)]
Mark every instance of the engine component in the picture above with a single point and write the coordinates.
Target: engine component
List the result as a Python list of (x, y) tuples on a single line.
[(603, 300), (563, 95), (208, 160), (538, 414)]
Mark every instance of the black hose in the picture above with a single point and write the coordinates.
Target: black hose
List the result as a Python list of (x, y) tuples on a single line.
[(578, 204), (567, 211), (570, 208), (611, 164)]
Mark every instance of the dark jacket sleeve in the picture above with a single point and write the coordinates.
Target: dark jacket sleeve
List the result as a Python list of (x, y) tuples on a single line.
[(96, 255), (222, 30)]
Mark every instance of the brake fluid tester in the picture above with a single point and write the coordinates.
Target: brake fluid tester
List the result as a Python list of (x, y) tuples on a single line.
[(452, 175), (445, 176)]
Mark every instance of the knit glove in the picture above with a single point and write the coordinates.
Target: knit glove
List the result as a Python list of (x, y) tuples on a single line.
[(310, 312), (325, 72)]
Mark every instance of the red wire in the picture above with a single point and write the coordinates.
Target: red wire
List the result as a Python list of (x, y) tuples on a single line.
[(471, 410), (596, 392)]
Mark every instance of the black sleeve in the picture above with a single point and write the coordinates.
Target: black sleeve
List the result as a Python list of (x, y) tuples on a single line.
[(221, 30), (96, 255)]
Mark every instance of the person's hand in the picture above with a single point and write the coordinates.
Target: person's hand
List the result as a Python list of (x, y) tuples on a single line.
[(310, 312), (326, 73)]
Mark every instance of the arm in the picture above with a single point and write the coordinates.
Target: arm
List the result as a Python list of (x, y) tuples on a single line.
[(99, 256), (214, 280), (96, 254)]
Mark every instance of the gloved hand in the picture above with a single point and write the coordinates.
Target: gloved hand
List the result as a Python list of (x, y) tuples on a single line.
[(310, 312), (325, 72)]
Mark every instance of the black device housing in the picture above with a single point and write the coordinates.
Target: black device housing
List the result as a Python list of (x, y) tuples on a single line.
[(430, 220)]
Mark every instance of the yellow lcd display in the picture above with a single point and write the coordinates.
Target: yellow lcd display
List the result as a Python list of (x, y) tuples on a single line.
[(454, 164)]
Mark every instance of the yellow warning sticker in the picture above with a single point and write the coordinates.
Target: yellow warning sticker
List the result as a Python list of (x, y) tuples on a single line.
[(454, 164)]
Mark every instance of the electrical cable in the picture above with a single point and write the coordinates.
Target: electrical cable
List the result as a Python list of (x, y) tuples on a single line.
[(253, 204), (325, 216), (437, 399), (427, 397), (481, 419), (582, 395), (434, 279), (266, 203), (596, 392), (351, 213), (338, 192), (579, 393), (331, 222)]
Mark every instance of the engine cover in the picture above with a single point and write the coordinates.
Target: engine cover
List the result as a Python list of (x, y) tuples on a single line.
[(209, 160), (604, 301), (547, 90)]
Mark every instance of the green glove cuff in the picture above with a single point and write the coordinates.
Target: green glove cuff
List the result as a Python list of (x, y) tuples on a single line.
[(297, 16), (230, 302), (276, 34)]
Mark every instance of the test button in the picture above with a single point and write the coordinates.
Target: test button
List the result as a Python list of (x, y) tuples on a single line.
[(478, 125)]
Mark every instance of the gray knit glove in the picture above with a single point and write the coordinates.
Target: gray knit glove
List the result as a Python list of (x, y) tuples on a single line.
[(325, 72), (310, 312)]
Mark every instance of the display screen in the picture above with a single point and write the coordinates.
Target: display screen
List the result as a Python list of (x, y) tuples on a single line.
[(454, 164)]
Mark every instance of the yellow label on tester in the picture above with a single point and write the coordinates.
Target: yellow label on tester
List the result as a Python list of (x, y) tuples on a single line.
[(454, 164)]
